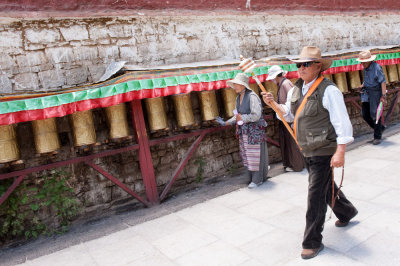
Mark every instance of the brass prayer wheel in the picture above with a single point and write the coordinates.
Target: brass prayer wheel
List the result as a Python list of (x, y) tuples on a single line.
[(354, 79), (45, 135), (156, 115), (254, 87), (183, 109), (294, 81), (328, 76), (9, 150), (392, 73), (385, 72), (340, 80), (83, 128), (362, 76), (398, 69), (229, 97), (271, 87), (118, 123), (208, 105)]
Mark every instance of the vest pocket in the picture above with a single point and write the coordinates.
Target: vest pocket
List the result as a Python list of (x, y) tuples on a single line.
[(311, 107), (316, 138)]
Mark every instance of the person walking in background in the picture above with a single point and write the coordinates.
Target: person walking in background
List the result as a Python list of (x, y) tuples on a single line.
[(373, 91), (292, 159), (250, 130), (323, 129)]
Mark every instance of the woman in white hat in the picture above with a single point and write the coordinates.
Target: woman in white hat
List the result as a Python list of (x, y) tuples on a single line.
[(292, 159), (373, 91), (250, 130)]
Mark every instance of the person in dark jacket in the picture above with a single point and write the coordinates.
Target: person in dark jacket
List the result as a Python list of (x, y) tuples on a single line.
[(322, 129)]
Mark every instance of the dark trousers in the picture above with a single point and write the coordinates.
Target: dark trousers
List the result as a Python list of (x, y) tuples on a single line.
[(290, 152), (369, 111), (319, 196)]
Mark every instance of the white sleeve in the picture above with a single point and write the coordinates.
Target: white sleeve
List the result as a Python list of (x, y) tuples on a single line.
[(289, 117), (333, 101)]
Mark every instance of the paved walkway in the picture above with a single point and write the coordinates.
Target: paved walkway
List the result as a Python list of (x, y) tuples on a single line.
[(264, 226)]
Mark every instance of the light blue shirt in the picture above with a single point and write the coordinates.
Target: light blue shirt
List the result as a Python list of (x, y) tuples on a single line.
[(373, 76)]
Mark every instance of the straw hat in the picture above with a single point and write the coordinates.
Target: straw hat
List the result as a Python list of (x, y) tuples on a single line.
[(365, 56), (275, 71), (313, 53), (241, 79)]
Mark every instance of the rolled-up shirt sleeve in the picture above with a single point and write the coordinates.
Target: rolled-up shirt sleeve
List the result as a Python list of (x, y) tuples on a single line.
[(333, 102)]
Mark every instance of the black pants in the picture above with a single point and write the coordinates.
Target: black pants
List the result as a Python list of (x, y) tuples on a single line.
[(369, 112), (319, 196), (291, 155)]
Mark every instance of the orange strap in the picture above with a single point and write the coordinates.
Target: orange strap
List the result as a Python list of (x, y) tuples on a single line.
[(310, 91)]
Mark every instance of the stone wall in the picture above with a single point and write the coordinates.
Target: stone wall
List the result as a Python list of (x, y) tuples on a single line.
[(50, 54)]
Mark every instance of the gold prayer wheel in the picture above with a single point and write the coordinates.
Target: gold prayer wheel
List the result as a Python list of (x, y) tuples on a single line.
[(398, 69), (208, 105), (9, 150), (385, 72), (116, 116), (83, 128), (362, 76), (229, 97), (328, 76), (254, 87), (271, 87), (157, 117), (45, 135), (340, 80), (293, 81), (183, 109), (392, 73), (354, 79)]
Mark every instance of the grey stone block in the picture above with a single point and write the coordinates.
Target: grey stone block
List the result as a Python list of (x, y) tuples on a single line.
[(75, 32), (60, 54), (51, 79), (42, 36), (31, 59), (5, 84), (76, 76), (26, 82)]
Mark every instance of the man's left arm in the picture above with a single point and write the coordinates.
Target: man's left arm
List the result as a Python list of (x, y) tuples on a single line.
[(333, 101), (383, 98)]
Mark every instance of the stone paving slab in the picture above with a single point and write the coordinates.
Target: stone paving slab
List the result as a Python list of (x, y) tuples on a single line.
[(263, 226)]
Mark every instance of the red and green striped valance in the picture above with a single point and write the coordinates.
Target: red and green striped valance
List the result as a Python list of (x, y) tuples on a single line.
[(130, 87)]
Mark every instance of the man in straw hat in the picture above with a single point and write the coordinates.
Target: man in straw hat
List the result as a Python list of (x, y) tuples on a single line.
[(322, 128), (292, 159), (373, 91), (250, 130)]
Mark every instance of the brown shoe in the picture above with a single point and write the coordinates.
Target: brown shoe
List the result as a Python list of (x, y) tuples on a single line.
[(339, 223), (309, 253)]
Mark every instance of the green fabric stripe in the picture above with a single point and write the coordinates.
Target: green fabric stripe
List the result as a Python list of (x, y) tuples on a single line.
[(136, 85)]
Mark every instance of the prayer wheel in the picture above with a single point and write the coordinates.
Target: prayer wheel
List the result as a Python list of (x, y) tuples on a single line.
[(156, 115), (208, 105), (354, 79), (362, 76), (118, 123), (392, 73), (340, 80), (229, 97), (183, 109), (398, 69), (45, 135), (8, 144), (271, 87), (294, 81), (254, 87), (385, 72), (328, 76), (83, 128)]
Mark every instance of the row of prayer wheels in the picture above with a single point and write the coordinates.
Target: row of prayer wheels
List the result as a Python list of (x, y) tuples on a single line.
[(83, 130), (46, 135)]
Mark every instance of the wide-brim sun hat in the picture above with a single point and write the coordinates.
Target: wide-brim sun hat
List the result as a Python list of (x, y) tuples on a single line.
[(274, 71), (241, 79), (313, 53), (365, 56)]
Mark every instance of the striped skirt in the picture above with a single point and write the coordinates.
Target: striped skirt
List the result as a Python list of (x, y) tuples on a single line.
[(251, 155)]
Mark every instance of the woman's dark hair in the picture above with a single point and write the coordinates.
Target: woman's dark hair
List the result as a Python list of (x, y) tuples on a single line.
[(279, 75)]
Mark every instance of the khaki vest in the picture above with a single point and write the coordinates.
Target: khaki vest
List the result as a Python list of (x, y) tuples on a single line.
[(315, 133)]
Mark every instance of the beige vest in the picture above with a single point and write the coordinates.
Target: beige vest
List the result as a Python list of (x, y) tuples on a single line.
[(315, 133)]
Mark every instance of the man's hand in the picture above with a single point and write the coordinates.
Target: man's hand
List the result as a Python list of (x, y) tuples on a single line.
[(338, 158), (383, 99), (268, 98)]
